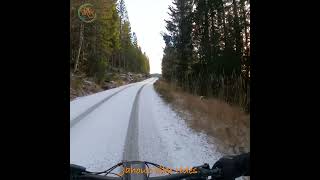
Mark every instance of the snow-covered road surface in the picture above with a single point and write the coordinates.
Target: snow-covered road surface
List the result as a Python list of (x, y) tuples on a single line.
[(151, 131)]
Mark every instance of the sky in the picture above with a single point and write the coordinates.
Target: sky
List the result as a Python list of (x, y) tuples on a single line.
[(147, 21)]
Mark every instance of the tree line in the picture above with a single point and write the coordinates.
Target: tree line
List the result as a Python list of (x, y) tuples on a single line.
[(107, 43), (207, 48)]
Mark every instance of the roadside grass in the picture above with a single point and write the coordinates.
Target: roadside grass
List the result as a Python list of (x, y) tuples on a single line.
[(228, 124)]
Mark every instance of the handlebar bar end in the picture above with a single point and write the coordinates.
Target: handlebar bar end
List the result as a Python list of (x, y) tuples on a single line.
[(76, 169)]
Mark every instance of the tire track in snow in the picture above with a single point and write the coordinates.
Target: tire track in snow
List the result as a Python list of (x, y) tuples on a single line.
[(95, 106), (131, 149), (98, 141)]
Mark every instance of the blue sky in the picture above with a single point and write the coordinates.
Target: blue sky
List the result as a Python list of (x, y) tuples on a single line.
[(147, 21)]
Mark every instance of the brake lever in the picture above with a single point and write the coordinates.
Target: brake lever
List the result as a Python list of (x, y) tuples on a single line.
[(206, 171), (203, 171), (204, 166), (217, 173)]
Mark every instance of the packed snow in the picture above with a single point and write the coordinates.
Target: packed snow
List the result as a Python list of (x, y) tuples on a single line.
[(81, 104), (97, 141), (166, 139)]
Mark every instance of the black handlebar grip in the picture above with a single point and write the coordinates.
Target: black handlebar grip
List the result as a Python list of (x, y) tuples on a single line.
[(75, 171), (77, 168)]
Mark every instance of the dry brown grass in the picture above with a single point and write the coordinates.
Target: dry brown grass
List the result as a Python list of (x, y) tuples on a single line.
[(229, 125), (81, 86)]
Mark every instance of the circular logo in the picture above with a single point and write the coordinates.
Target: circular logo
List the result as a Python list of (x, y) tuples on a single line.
[(87, 13)]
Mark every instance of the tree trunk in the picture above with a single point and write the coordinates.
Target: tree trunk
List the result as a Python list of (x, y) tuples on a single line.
[(225, 33), (244, 19), (206, 35), (213, 40), (81, 38), (237, 30)]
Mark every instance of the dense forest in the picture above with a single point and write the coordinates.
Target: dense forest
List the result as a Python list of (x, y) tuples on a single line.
[(208, 48), (105, 44)]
